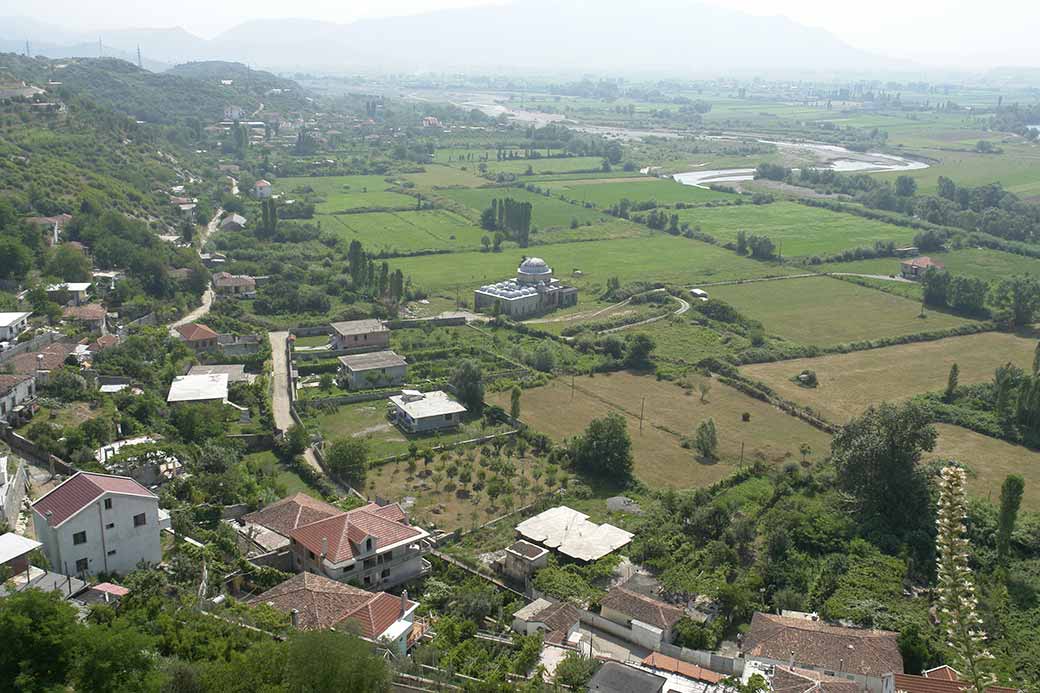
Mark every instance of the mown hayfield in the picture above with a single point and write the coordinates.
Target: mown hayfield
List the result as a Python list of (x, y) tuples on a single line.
[(437, 176), (670, 413), (825, 311), (990, 460), (1017, 168), (435, 229), (991, 265), (571, 164), (546, 212), (344, 192), (849, 383), (653, 258), (796, 230), (605, 192)]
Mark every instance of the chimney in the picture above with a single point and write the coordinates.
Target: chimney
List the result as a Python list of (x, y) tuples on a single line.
[(404, 602), (841, 664), (324, 547), (39, 362), (790, 662), (294, 617)]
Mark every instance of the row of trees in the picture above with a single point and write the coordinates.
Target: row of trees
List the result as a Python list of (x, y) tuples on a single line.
[(510, 216)]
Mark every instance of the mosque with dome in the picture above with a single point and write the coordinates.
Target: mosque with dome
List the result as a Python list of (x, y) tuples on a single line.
[(533, 291)]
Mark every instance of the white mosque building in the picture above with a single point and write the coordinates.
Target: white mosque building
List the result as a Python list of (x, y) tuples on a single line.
[(533, 291)]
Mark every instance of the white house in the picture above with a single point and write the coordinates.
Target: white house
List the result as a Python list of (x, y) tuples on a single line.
[(15, 390), (423, 412), (262, 189), (199, 388), (94, 523), (77, 291), (12, 325)]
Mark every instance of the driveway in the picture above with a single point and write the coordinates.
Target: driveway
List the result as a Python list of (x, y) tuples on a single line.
[(280, 401)]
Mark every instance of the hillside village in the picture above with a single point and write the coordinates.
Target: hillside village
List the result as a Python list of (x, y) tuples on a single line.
[(471, 402)]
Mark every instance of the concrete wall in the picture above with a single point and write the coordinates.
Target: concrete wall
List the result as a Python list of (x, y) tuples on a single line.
[(131, 544), (13, 494)]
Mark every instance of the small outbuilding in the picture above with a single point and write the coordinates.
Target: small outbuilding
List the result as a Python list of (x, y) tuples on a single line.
[(372, 369), (425, 412)]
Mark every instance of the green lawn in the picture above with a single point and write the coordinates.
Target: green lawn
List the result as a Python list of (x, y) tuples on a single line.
[(659, 257), (344, 192), (404, 232), (545, 212), (368, 420), (825, 311), (605, 192), (796, 229)]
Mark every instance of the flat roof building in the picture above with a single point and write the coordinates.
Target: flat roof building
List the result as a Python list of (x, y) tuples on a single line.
[(12, 325), (372, 369), (360, 335), (570, 533), (420, 412), (199, 388)]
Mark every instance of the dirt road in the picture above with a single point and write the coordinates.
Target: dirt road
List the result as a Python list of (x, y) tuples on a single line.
[(280, 400)]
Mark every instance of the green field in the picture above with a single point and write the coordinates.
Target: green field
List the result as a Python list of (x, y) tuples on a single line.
[(546, 212), (990, 461), (659, 257), (1017, 168), (849, 383), (796, 229), (437, 176), (991, 265), (605, 192), (434, 229), (518, 167), (342, 193), (825, 311)]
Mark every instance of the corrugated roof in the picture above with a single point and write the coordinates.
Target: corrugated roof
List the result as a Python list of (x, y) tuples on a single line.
[(79, 491)]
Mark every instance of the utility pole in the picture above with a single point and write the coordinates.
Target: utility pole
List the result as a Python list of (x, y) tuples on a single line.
[(741, 465), (572, 387), (27, 53), (642, 407), (99, 49), (139, 63)]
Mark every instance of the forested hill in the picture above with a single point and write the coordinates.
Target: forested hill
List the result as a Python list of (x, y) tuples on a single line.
[(194, 94)]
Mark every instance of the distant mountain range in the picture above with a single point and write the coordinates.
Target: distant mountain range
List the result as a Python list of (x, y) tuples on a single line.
[(572, 36)]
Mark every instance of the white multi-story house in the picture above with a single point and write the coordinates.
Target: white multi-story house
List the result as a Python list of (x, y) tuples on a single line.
[(12, 325), (94, 523)]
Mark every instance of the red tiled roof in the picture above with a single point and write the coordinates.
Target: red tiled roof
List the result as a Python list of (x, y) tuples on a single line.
[(111, 588), (347, 530), (392, 511), (924, 261), (324, 603), (942, 679), (9, 382), (557, 617), (79, 491), (221, 279), (90, 311), (195, 332), (642, 608), (657, 660), (795, 680), (852, 650), (103, 342), (53, 357), (289, 513)]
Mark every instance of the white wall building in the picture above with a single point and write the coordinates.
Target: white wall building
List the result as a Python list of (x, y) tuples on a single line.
[(422, 412), (94, 523), (199, 388), (12, 325)]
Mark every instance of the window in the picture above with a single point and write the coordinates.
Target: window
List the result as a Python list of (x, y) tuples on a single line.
[(385, 573), (112, 552), (108, 504), (388, 556), (79, 538), (349, 568), (110, 525), (140, 520), (310, 555), (447, 417), (368, 544), (368, 580), (82, 565)]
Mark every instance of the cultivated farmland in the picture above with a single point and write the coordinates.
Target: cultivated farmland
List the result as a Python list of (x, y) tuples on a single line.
[(546, 211), (991, 460), (670, 414), (797, 230), (341, 193), (825, 311), (991, 265), (434, 229), (659, 257), (849, 383), (605, 192)]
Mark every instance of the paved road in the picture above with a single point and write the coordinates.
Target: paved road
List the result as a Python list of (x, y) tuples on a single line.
[(283, 419), (683, 307), (280, 396), (207, 295)]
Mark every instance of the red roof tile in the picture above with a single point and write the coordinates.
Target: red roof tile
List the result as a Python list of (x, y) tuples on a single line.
[(657, 660), (795, 680), (111, 588), (289, 513), (54, 355), (79, 491), (642, 608), (942, 679), (344, 532), (851, 650), (924, 261), (324, 603), (195, 331), (90, 311), (9, 382)]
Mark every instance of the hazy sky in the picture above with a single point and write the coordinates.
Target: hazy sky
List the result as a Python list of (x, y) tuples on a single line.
[(955, 32)]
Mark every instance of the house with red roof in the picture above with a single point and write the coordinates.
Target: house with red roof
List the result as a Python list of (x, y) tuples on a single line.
[(372, 546), (914, 269), (94, 523), (262, 189), (197, 336), (315, 602), (941, 679)]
